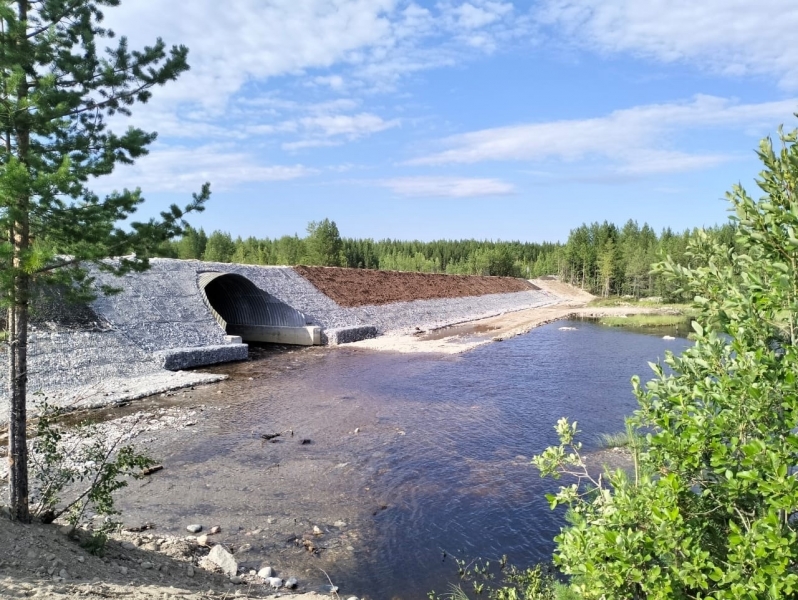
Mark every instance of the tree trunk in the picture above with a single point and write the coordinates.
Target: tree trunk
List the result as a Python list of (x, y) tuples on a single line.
[(18, 378), (18, 318)]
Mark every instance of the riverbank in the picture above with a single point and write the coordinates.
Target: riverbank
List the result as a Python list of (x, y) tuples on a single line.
[(467, 336)]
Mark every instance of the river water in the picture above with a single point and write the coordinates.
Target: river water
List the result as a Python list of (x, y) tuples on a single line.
[(438, 469)]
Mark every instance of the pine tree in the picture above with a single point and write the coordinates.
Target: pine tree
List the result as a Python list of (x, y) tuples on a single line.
[(56, 90)]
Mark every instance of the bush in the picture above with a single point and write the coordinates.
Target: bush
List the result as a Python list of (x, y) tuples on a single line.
[(710, 509), (80, 469)]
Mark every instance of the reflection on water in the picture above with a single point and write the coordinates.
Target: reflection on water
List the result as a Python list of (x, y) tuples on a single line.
[(445, 447), (462, 482)]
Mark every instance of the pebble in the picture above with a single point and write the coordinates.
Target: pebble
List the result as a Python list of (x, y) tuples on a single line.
[(146, 565), (123, 570), (271, 520), (317, 530), (215, 529), (195, 528), (190, 571), (340, 523), (275, 582), (202, 540), (291, 583), (266, 573), (129, 545), (236, 579)]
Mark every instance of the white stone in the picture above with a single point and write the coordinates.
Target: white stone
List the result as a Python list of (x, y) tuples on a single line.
[(224, 560)]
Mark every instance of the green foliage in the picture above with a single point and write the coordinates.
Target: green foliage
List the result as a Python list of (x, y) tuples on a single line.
[(79, 469), (219, 248), (710, 511), (652, 321), (192, 244), (323, 245)]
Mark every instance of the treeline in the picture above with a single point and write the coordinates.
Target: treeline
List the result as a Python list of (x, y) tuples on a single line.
[(600, 257)]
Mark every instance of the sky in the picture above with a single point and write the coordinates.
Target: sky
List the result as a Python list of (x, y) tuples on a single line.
[(452, 119)]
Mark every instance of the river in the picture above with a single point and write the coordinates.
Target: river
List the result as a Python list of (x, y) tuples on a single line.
[(411, 460)]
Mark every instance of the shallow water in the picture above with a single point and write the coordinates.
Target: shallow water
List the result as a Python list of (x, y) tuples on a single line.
[(441, 462)]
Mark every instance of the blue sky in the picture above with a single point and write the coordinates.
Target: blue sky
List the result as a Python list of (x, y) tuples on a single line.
[(459, 119)]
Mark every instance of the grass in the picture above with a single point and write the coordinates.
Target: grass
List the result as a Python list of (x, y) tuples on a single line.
[(646, 321)]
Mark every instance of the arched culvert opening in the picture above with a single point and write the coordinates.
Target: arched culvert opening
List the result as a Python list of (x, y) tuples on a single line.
[(245, 310)]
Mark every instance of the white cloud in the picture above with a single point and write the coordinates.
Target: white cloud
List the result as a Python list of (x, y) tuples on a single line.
[(735, 37), (239, 41), (186, 169), (350, 126), (636, 139), (447, 187)]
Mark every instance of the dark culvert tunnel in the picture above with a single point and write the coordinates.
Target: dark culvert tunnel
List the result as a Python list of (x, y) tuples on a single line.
[(245, 310)]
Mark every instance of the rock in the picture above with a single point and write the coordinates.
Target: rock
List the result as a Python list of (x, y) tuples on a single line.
[(291, 583), (271, 520), (236, 579), (202, 540), (196, 528), (123, 570), (352, 598), (275, 582), (357, 429), (340, 523), (129, 545), (224, 560), (215, 529), (190, 571), (317, 530), (266, 573), (330, 589), (63, 574), (146, 565)]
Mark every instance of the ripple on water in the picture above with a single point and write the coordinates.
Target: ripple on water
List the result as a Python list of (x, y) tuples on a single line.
[(446, 442)]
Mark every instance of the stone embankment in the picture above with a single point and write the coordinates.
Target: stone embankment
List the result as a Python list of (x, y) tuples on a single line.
[(131, 344)]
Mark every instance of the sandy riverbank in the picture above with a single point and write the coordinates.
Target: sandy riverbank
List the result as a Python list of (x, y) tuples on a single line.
[(572, 303)]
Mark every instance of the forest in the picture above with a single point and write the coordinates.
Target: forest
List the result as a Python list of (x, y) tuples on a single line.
[(603, 258)]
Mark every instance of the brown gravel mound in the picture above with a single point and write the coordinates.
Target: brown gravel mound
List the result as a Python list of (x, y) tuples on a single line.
[(363, 287)]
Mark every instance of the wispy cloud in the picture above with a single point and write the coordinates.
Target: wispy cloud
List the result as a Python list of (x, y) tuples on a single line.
[(186, 169), (735, 37), (632, 139), (235, 42), (447, 187)]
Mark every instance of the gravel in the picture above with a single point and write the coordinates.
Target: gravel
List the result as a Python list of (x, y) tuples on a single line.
[(116, 349)]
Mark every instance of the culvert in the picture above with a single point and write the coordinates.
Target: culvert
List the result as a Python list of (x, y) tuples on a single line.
[(245, 310)]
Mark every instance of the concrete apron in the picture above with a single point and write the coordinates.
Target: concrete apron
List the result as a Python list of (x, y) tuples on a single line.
[(295, 336)]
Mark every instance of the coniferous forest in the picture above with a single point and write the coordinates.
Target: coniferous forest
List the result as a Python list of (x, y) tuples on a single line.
[(603, 258)]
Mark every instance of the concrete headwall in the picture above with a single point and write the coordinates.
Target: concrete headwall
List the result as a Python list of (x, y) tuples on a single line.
[(160, 320)]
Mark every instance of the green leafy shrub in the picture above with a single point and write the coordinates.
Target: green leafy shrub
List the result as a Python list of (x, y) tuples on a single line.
[(79, 469), (710, 509)]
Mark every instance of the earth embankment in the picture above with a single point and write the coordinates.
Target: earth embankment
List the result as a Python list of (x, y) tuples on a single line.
[(363, 287)]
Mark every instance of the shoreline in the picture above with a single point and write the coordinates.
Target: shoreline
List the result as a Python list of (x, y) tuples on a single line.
[(463, 337)]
